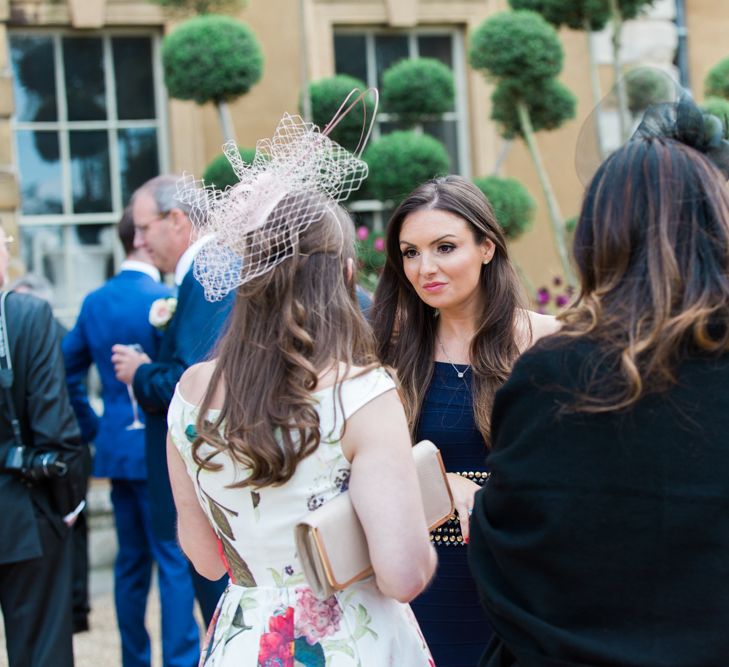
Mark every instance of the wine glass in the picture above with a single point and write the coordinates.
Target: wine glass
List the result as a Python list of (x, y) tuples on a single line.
[(136, 422)]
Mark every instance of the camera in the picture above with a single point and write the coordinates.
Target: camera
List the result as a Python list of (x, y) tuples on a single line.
[(34, 466)]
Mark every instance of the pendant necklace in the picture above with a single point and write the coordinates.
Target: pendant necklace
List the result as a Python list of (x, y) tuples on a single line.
[(455, 368)]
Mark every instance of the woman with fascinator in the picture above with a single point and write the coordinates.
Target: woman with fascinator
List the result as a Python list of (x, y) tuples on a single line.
[(602, 535), (448, 319), (293, 410)]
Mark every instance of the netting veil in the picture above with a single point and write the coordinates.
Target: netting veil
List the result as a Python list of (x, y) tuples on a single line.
[(295, 178)]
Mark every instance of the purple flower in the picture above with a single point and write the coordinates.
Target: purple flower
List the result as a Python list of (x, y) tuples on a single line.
[(379, 244), (289, 570), (543, 296), (362, 233), (561, 300)]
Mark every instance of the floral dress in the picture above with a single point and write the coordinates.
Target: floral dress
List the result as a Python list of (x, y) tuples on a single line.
[(268, 616)]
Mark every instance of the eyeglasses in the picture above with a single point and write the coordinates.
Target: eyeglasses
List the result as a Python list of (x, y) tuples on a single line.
[(141, 228)]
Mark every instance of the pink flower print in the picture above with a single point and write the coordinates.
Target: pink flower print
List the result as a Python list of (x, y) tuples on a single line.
[(315, 619)]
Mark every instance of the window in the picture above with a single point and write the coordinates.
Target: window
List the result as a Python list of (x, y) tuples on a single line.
[(366, 54), (88, 131)]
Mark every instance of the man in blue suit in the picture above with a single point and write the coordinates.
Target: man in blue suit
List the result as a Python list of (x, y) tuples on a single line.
[(118, 312), (164, 230)]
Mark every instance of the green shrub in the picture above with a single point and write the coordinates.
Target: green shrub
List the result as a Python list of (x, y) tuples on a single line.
[(549, 106), (717, 106), (211, 58), (717, 80), (520, 46), (327, 96), (646, 86), (401, 161), (513, 205), (219, 172), (418, 87), (572, 13)]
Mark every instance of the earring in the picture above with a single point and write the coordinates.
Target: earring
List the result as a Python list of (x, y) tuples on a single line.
[(486, 261)]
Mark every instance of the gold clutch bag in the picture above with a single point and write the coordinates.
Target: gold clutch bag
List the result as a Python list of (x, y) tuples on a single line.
[(331, 543)]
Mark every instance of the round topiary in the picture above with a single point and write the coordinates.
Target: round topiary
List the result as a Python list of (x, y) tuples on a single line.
[(572, 13), (219, 172), (211, 58), (401, 161), (646, 86), (629, 9), (718, 107), (418, 87), (549, 106), (520, 46), (326, 97), (717, 80), (513, 205)]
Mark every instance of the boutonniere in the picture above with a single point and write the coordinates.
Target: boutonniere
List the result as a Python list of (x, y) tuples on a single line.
[(161, 312)]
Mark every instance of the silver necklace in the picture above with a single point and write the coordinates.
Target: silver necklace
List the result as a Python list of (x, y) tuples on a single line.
[(455, 368)]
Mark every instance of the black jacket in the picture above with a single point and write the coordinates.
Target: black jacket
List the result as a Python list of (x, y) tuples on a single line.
[(603, 540), (46, 420)]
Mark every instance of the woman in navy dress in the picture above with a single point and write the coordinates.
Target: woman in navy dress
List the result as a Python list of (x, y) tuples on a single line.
[(447, 318)]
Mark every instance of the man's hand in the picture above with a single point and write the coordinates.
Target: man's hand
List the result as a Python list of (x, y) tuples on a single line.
[(126, 360)]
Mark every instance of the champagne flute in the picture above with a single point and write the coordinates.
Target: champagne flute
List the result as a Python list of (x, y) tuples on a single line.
[(136, 424)]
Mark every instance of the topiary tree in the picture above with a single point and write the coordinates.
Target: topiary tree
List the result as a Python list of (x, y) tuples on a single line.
[(513, 205), (402, 160), (212, 59), (522, 53), (327, 95), (416, 88), (589, 15), (202, 6), (219, 172), (719, 107), (716, 83), (645, 86)]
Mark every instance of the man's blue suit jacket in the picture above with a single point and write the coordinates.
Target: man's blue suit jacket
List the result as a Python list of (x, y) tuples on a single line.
[(117, 312), (190, 337)]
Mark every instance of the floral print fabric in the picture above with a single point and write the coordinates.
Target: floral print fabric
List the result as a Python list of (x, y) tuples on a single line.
[(268, 617)]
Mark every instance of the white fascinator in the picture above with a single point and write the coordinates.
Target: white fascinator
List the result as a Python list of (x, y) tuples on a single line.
[(295, 178)]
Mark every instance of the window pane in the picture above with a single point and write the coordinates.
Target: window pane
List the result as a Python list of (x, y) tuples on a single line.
[(83, 62), (388, 50), (90, 180), (34, 78), (446, 131), (133, 77), (350, 56), (439, 47), (40, 172), (137, 158)]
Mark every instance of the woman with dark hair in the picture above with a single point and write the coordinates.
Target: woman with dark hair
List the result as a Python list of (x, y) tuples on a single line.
[(602, 535), (447, 318), (294, 410)]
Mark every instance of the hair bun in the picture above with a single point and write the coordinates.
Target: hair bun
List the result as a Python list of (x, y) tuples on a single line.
[(684, 121)]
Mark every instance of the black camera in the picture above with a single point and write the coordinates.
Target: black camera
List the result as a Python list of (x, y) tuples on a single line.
[(32, 465)]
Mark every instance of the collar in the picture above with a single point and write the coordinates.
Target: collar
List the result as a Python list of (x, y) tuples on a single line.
[(184, 264), (142, 267)]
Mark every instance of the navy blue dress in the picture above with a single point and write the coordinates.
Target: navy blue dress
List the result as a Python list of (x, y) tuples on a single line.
[(449, 612)]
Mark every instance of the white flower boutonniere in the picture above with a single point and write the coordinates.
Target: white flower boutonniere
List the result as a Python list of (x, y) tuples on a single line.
[(161, 312)]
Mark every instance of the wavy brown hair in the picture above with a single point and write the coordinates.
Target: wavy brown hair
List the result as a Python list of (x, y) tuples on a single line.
[(652, 250), (405, 326), (286, 328)]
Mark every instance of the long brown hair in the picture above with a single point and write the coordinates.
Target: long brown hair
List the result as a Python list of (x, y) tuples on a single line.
[(652, 250), (286, 327), (405, 326)]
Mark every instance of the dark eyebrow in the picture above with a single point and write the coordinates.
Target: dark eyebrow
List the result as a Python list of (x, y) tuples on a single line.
[(438, 240)]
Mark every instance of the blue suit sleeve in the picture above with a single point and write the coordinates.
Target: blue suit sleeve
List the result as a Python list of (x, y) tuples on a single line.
[(193, 332), (77, 360)]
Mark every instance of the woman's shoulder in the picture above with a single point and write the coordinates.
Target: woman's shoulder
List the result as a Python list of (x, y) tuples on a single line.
[(531, 326), (194, 382)]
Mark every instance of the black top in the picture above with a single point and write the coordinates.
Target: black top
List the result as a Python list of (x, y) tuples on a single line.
[(604, 539)]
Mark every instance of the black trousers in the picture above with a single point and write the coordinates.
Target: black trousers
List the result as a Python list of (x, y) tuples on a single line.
[(35, 596), (80, 573)]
